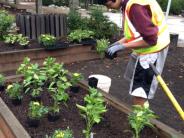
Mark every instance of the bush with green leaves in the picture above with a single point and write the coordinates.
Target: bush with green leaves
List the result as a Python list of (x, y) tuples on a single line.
[(140, 117), (176, 6), (92, 110), (2, 80), (47, 2), (62, 134), (23, 41), (6, 21), (36, 110), (78, 35), (14, 91), (47, 40), (102, 46), (62, 2)]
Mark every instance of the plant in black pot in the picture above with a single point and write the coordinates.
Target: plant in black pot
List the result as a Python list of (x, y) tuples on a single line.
[(36, 112), (2, 81), (84, 37), (14, 92), (102, 46), (75, 78), (47, 41), (59, 96)]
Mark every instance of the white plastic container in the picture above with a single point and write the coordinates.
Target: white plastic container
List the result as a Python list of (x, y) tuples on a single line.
[(104, 82)]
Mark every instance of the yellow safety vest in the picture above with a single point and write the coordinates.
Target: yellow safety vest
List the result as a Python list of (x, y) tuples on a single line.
[(158, 20)]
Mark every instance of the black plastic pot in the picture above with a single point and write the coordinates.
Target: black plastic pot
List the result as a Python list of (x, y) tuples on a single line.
[(37, 98), (88, 41), (92, 82), (33, 122), (58, 45), (109, 56), (52, 117), (2, 87), (74, 89), (16, 101), (174, 39)]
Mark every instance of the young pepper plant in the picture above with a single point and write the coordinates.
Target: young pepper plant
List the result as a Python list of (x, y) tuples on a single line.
[(62, 134), (140, 117), (92, 110), (102, 46)]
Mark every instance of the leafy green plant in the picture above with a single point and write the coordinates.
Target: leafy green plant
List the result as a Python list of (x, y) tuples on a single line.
[(6, 21), (140, 117), (22, 69), (2, 80), (78, 35), (92, 110), (76, 77), (36, 110), (58, 95), (14, 91), (47, 40), (23, 41), (62, 133), (10, 39), (102, 46)]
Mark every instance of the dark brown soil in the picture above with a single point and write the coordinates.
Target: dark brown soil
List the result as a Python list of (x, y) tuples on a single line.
[(113, 125), (173, 75), (6, 47)]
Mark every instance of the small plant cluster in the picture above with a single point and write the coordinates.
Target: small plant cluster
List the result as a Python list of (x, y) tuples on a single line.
[(79, 35), (16, 38), (140, 117), (92, 110), (2, 82), (6, 21), (47, 40), (61, 134), (51, 75), (98, 23), (102, 46)]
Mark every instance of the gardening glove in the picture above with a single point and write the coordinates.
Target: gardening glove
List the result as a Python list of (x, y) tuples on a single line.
[(115, 48)]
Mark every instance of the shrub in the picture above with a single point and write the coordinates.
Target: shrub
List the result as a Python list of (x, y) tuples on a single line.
[(47, 40), (47, 2), (176, 6), (62, 2), (6, 21)]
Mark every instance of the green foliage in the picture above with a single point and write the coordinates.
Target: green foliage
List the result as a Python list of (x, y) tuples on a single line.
[(140, 117), (62, 2), (47, 40), (176, 6), (102, 46), (14, 91), (76, 77), (16, 38), (6, 21), (92, 110), (47, 2), (101, 25), (2, 80), (78, 35), (36, 110), (62, 134), (22, 69)]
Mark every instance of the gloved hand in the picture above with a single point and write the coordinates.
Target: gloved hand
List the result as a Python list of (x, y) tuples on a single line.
[(115, 48)]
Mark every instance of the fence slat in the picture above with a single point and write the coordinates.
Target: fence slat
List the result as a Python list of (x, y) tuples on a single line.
[(33, 27), (47, 24), (61, 25), (22, 25), (57, 25), (38, 26), (42, 17), (27, 23), (64, 25), (52, 25)]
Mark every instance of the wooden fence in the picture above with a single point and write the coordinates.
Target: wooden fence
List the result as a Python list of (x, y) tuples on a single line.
[(34, 25)]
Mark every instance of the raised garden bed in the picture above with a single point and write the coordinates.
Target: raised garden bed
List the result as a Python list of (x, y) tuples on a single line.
[(10, 60), (114, 124)]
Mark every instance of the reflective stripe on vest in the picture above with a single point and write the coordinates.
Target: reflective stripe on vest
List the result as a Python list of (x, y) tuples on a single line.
[(158, 20)]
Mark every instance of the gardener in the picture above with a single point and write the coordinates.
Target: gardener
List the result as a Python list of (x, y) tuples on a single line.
[(146, 33)]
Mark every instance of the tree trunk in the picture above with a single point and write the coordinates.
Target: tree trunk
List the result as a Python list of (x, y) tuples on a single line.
[(39, 6)]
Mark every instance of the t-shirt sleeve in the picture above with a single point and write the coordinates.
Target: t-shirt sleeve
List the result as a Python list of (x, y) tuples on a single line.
[(140, 16)]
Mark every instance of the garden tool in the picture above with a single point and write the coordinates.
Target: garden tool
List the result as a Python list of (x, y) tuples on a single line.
[(168, 92)]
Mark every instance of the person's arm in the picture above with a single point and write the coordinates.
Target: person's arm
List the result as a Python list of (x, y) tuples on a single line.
[(113, 5), (140, 17)]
